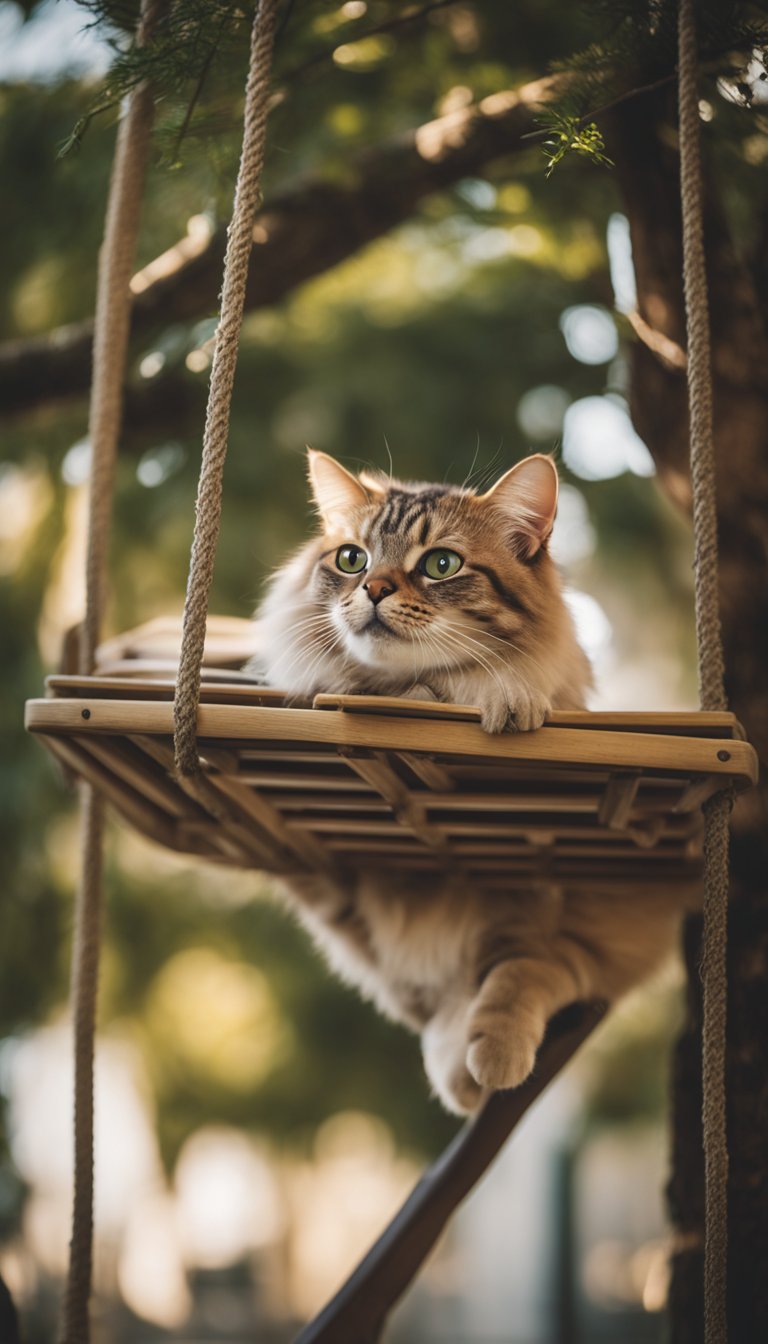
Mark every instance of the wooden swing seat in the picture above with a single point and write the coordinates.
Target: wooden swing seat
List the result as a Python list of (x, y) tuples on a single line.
[(600, 799)]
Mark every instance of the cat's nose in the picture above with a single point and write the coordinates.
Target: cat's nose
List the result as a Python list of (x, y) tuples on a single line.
[(380, 587)]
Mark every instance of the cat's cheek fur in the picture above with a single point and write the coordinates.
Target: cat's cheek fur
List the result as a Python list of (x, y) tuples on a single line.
[(382, 652)]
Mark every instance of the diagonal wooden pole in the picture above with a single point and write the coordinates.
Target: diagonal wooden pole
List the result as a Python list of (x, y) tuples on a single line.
[(358, 1312)]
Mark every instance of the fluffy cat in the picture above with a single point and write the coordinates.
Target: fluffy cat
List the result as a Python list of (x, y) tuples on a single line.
[(434, 591), (429, 591)]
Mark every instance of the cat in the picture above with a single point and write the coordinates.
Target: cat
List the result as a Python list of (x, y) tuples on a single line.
[(431, 592), (437, 592)]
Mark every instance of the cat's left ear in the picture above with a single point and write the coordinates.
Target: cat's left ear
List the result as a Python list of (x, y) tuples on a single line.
[(528, 495), (336, 491)]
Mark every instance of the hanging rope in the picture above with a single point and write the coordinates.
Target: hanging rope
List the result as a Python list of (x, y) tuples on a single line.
[(208, 506), (711, 689), (111, 329), (110, 343)]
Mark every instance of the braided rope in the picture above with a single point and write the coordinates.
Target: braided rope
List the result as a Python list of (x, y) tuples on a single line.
[(209, 492), (113, 307), (711, 689), (111, 331), (84, 986)]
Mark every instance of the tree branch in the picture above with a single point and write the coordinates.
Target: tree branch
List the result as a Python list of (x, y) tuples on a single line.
[(303, 230), (409, 17)]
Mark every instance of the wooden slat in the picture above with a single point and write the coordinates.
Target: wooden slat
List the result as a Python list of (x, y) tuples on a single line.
[(129, 763), (428, 771), (697, 723), (648, 833), (227, 639), (141, 679), (345, 825), (397, 843), (272, 831), (596, 749), (697, 792), (294, 752), (238, 687), (320, 802), (414, 789), (224, 759), (619, 799), (490, 849), (560, 802), (399, 706), (251, 847), (232, 844), (145, 816), (277, 779), (377, 772), (293, 836)]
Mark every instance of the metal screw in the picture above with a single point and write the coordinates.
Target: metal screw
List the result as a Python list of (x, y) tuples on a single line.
[(723, 755), (86, 713)]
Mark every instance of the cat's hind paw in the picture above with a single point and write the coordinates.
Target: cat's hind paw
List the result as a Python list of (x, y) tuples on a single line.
[(458, 1091), (496, 1062)]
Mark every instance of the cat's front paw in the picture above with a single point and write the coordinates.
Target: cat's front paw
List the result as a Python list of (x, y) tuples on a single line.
[(497, 1062), (518, 711), (529, 711), (419, 691)]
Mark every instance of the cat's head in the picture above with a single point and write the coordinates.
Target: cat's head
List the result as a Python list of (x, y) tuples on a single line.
[(434, 575)]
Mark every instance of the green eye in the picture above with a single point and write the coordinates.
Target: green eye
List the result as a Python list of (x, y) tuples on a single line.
[(440, 564), (351, 559)]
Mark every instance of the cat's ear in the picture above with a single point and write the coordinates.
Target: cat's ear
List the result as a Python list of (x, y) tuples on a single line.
[(528, 495), (337, 493)]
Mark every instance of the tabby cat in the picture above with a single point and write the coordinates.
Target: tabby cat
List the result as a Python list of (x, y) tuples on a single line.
[(436, 592)]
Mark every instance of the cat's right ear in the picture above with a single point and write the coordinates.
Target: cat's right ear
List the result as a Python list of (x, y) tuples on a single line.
[(528, 495), (337, 493)]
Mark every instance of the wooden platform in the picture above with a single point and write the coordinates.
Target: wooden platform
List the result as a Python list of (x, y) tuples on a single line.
[(591, 799)]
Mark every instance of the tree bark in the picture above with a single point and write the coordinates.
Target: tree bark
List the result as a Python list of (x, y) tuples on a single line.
[(643, 146), (304, 230)]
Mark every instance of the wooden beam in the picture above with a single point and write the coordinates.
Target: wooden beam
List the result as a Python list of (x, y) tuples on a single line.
[(358, 1311), (595, 749)]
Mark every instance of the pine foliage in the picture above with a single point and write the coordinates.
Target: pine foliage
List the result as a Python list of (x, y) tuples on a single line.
[(192, 36), (631, 49), (634, 50)]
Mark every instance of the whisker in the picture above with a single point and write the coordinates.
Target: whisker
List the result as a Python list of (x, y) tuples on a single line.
[(322, 651), (468, 477), (462, 647), (389, 455), (507, 643), (303, 644)]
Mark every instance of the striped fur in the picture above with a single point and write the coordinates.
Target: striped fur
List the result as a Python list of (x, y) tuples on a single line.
[(497, 634), (476, 974)]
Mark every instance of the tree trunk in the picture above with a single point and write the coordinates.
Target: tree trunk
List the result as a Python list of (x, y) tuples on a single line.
[(643, 145)]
